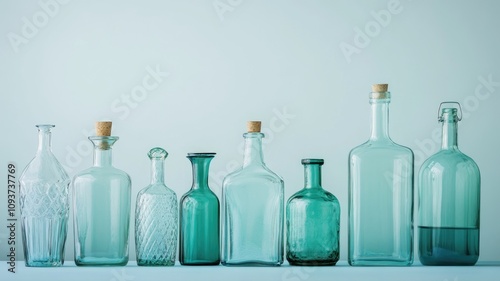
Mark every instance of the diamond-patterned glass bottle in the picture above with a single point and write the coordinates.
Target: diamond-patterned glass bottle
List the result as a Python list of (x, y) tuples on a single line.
[(313, 221), (156, 217), (199, 217), (101, 206), (44, 205)]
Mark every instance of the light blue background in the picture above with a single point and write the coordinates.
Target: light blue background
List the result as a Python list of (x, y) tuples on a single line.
[(236, 60)]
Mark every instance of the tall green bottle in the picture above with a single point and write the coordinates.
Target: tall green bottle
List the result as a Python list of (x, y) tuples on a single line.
[(313, 221), (380, 194), (199, 217), (449, 193)]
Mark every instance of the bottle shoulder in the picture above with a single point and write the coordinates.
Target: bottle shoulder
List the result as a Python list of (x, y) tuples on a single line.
[(157, 190), (44, 167), (318, 194), (199, 195), (450, 158), (254, 173), (374, 147), (109, 171)]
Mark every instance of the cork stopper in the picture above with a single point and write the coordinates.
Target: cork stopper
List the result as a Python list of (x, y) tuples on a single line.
[(253, 126), (103, 128), (380, 88)]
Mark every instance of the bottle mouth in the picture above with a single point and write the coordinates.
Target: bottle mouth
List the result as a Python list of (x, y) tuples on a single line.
[(449, 114), (378, 97), (201, 154), (313, 161), (253, 135), (45, 126)]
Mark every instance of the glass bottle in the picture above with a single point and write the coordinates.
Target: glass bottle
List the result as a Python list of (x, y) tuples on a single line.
[(101, 204), (156, 217), (44, 204), (252, 209), (313, 221), (380, 194), (199, 217), (449, 193)]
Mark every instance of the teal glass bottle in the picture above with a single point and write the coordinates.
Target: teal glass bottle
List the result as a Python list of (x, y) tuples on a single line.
[(313, 221), (252, 209), (449, 194), (101, 202), (156, 217), (380, 194), (199, 217), (44, 204)]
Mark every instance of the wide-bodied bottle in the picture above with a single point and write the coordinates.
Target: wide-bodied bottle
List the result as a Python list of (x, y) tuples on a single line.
[(380, 194), (449, 201), (101, 202), (252, 209)]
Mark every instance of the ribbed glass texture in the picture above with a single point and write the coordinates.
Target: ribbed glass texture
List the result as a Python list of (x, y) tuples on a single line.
[(156, 215), (44, 204), (449, 202)]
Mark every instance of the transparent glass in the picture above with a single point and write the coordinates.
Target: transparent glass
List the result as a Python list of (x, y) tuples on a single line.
[(156, 217), (199, 217), (252, 211), (449, 193), (380, 195), (101, 203), (44, 205), (313, 221)]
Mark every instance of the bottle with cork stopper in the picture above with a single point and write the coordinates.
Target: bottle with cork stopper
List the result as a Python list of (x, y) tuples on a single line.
[(380, 188), (101, 202), (252, 209)]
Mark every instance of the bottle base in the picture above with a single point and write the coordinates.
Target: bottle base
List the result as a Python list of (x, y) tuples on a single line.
[(251, 263), (44, 263), (93, 261), (155, 263), (195, 263), (312, 262), (379, 262)]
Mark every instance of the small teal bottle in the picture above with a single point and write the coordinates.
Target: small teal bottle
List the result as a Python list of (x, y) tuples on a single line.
[(101, 202), (313, 221), (252, 209), (156, 217), (44, 204), (449, 193), (380, 194), (199, 217)]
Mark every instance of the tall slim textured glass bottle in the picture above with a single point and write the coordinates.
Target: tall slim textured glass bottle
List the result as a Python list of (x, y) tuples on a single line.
[(44, 205), (199, 217), (252, 209), (449, 188), (313, 221), (380, 194), (156, 217), (101, 204)]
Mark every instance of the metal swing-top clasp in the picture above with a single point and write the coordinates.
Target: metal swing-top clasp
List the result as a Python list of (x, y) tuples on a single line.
[(459, 116)]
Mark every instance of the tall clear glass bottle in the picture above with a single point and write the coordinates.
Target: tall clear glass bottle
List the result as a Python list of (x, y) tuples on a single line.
[(199, 217), (44, 205), (313, 221), (101, 203), (449, 193), (380, 194), (252, 209), (156, 217)]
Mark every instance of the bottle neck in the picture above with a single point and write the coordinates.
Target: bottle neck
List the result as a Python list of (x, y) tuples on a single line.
[(200, 166), (253, 149), (312, 176), (449, 135), (44, 140), (157, 171), (103, 150), (380, 119)]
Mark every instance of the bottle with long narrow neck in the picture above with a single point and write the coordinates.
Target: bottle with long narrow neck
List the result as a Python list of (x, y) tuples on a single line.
[(101, 202), (199, 217), (252, 209), (313, 221), (156, 217), (449, 194), (44, 204), (380, 194)]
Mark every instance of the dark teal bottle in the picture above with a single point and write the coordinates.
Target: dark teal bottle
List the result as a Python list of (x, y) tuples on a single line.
[(199, 217), (313, 221), (449, 188)]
